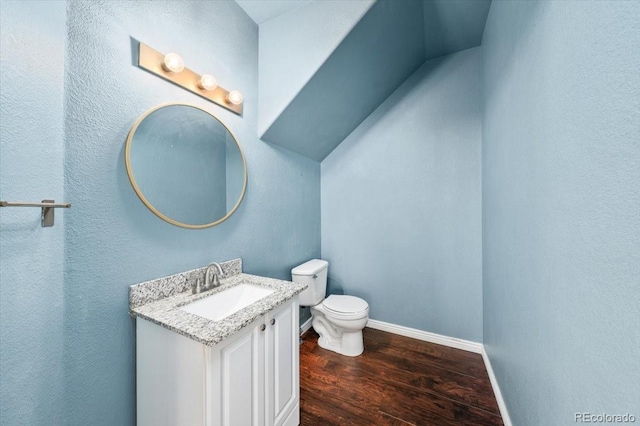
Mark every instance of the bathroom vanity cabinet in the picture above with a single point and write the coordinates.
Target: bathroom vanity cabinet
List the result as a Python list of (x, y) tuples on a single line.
[(250, 378)]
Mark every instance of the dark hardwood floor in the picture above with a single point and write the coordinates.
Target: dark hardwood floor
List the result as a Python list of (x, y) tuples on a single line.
[(396, 381)]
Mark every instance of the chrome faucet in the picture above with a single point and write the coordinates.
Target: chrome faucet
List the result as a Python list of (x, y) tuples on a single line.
[(214, 270)]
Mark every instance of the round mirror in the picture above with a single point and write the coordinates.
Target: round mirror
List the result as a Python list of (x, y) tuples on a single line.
[(186, 165)]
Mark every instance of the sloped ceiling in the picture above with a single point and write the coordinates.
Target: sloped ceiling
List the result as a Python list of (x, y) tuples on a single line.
[(293, 46), (453, 25), (263, 10), (382, 50)]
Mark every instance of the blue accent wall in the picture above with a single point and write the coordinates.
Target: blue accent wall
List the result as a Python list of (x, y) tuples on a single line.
[(401, 208), (561, 207), (31, 169), (112, 239)]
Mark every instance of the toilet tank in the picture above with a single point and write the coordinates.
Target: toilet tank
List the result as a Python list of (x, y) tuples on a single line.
[(314, 274)]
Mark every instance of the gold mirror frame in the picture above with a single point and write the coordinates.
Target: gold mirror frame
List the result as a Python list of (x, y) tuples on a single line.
[(136, 188)]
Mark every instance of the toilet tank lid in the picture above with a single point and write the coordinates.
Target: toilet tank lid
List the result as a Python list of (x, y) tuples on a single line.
[(311, 267)]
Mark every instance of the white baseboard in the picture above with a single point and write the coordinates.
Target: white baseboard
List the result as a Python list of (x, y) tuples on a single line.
[(305, 326), (496, 389), (465, 345)]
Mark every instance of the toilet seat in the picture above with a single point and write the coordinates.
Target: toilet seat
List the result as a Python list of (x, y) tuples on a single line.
[(345, 307)]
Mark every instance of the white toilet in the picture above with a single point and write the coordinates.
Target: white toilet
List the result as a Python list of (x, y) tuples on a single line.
[(338, 320)]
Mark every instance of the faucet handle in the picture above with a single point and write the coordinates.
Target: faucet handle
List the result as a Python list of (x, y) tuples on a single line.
[(196, 287)]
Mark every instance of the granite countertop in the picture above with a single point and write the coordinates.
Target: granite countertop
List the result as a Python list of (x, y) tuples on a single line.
[(159, 301)]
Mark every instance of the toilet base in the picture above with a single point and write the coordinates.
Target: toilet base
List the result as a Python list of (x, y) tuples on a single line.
[(340, 335), (350, 344)]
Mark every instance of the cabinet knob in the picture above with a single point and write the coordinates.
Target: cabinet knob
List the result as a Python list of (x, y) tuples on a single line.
[(262, 327), (273, 321)]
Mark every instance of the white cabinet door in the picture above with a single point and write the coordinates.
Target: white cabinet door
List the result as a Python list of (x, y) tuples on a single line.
[(235, 385), (282, 365)]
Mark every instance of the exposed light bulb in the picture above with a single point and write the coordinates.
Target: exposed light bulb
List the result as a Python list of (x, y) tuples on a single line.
[(234, 97), (207, 82), (172, 63)]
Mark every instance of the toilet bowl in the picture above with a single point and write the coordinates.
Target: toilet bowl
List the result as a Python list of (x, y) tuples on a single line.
[(340, 329), (338, 319)]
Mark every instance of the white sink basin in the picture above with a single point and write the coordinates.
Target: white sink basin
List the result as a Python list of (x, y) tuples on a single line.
[(220, 305)]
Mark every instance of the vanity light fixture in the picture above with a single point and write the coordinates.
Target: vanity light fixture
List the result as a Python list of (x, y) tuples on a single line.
[(207, 82), (172, 63), (234, 97), (171, 67)]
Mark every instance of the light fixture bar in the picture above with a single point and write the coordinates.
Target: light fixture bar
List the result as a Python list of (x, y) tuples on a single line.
[(152, 61)]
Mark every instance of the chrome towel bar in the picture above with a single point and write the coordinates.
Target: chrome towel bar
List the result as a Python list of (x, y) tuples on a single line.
[(47, 206), (44, 203)]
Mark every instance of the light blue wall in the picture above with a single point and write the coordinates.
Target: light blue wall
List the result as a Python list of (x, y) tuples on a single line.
[(561, 207), (112, 239), (294, 45), (401, 223), (31, 257)]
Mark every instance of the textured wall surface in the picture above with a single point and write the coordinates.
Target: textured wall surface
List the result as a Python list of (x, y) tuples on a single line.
[(401, 224), (112, 239), (561, 207), (31, 257), (293, 46)]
